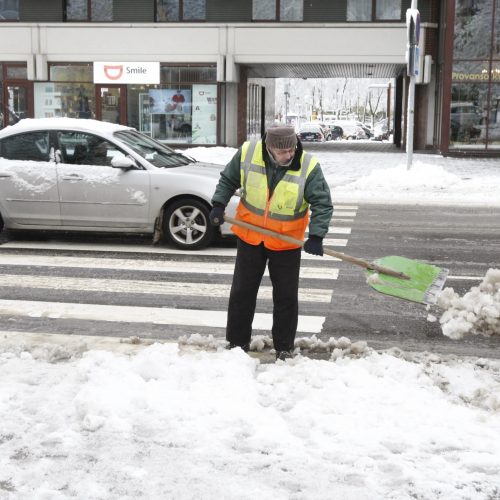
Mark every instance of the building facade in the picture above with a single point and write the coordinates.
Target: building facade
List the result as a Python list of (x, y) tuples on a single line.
[(202, 71)]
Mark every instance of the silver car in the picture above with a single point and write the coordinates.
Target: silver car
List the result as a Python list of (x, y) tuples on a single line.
[(85, 175)]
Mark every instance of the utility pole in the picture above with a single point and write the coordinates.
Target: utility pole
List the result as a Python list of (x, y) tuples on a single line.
[(412, 54)]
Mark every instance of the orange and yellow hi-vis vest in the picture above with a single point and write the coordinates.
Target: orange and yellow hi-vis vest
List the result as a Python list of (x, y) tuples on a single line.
[(285, 211)]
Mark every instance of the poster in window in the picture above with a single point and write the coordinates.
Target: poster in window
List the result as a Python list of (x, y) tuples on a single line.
[(171, 102), (204, 114)]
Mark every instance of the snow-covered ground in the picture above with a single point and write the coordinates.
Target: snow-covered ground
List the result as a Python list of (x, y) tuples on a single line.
[(87, 419)]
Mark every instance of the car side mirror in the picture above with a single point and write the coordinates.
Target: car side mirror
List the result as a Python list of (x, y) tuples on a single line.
[(123, 162)]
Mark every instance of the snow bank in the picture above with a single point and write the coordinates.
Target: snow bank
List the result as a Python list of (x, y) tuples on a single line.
[(160, 423), (476, 313)]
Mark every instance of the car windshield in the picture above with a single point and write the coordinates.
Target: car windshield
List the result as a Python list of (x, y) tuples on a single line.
[(153, 151)]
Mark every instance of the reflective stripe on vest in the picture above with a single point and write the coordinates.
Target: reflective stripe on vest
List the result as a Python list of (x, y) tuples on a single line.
[(287, 202)]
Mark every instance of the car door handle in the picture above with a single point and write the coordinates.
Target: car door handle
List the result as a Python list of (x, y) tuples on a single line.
[(72, 177), (5, 175)]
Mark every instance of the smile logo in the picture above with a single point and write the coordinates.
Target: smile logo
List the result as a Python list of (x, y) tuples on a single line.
[(113, 72)]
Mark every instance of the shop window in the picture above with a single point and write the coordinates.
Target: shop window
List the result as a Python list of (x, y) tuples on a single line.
[(182, 113), (180, 10), (71, 73), (9, 10), (278, 10), (14, 93), (467, 115), (472, 34), (69, 93), (16, 72), (191, 74), (362, 10), (89, 10)]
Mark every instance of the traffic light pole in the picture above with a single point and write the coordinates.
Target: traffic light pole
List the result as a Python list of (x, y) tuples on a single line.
[(413, 24), (411, 123)]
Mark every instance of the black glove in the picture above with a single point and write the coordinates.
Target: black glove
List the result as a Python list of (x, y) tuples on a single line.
[(216, 215), (314, 245)]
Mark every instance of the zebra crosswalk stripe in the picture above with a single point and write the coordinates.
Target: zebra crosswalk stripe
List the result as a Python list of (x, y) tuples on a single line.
[(155, 315), (147, 265), (145, 287)]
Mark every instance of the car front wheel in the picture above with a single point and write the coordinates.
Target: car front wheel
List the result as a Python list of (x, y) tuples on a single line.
[(186, 224)]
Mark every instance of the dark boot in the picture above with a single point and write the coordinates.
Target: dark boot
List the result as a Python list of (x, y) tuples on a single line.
[(245, 347), (283, 355)]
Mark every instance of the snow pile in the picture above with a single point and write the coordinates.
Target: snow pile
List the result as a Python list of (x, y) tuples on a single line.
[(424, 183), (164, 424), (476, 313), (338, 348), (218, 154)]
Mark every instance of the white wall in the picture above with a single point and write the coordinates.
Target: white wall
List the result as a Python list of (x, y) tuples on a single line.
[(227, 45)]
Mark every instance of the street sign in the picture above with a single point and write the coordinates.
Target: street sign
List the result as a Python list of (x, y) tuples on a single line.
[(412, 41)]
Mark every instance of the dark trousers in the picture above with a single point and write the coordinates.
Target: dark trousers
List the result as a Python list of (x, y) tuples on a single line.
[(284, 268)]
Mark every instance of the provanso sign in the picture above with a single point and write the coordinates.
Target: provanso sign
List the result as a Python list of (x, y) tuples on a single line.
[(127, 72)]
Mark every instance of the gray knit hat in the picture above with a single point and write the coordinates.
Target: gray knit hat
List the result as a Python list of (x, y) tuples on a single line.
[(281, 137)]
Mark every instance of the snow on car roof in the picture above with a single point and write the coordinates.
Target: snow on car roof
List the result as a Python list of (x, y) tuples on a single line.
[(88, 125)]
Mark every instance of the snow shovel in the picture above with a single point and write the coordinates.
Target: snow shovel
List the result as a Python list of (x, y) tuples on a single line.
[(397, 276)]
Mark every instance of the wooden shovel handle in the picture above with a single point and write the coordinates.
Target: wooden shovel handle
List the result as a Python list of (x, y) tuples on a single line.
[(328, 251)]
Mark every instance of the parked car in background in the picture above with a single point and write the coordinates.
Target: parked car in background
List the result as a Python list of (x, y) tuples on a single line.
[(327, 131), (465, 118), (352, 129), (70, 174), (312, 132), (336, 132), (381, 131)]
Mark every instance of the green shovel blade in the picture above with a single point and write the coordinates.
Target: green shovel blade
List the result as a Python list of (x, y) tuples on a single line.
[(425, 283)]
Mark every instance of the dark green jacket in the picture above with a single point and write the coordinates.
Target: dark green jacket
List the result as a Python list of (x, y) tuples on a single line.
[(316, 192)]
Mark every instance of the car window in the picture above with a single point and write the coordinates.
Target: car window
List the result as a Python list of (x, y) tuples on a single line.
[(33, 146), (153, 151), (78, 148)]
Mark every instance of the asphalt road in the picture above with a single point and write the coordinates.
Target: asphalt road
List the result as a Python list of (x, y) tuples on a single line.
[(464, 240)]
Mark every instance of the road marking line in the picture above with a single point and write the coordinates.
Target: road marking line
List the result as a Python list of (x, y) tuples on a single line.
[(160, 316), (470, 278), (343, 213), (146, 287), (339, 230), (334, 242), (147, 265), (117, 249)]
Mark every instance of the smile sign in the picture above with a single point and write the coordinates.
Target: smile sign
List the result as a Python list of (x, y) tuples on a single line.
[(127, 72)]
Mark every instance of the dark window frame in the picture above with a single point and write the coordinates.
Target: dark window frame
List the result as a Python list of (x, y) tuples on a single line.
[(181, 14), (89, 15), (277, 15), (374, 19)]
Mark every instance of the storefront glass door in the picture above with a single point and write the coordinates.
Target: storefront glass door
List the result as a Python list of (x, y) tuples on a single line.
[(17, 103), (111, 105)]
